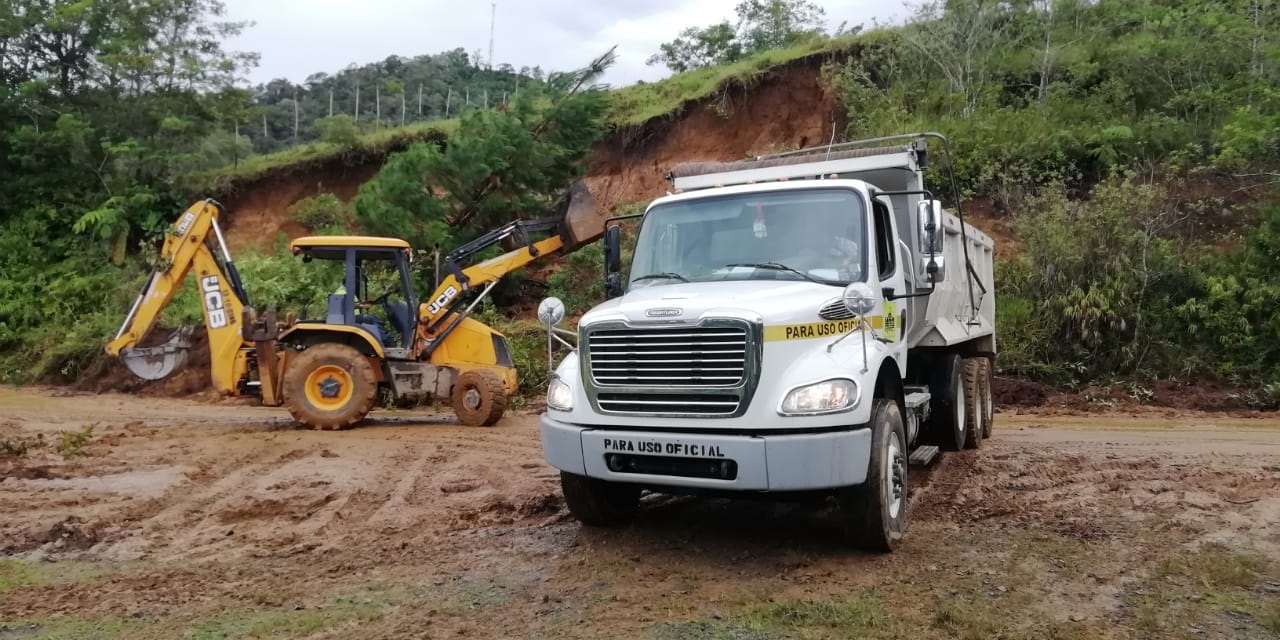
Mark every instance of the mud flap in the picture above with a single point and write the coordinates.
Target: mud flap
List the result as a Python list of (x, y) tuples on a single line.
[(158, 362)]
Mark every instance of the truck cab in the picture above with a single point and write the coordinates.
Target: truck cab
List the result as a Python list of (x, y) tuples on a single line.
[(787, 325)]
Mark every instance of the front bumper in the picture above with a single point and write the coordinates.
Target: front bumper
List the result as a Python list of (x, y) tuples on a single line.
[(736, 462)]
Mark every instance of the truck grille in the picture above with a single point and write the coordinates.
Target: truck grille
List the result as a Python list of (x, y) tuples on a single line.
[(669, 357), (687, 404)]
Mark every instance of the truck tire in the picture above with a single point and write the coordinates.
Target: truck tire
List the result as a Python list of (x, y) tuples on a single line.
[(986, 403), (329, 386), (478, 398), (947, 420), (598, 503), (875, 512), (973, 387)]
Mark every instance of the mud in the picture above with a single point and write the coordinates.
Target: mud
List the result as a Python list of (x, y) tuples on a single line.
[(184, 511)]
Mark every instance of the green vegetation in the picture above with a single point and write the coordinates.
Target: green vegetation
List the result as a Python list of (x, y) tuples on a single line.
[(323, 214), (763, 25), (498, 166), (1211, 587), (15, 573), (1095, 126)]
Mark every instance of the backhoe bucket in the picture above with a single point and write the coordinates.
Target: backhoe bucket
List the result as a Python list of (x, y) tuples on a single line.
[(581, 220), (158, 362)]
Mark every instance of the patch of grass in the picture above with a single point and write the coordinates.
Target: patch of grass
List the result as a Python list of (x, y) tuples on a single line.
[(860, 617), (290, 623), (20, 445), (1212, 588), (15, 573), (63, 629), (1214, 567), (71, 443), (637, 104)]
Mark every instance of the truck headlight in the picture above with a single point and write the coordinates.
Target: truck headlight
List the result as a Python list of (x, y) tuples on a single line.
[(559, 395), (828, 396)]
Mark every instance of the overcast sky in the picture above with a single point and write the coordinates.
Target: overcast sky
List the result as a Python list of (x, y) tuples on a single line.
[(299, 37)]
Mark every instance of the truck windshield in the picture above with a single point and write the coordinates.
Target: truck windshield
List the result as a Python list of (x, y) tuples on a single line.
[(810, 234)]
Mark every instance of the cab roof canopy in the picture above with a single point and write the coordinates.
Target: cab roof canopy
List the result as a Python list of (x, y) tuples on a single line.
[(335, 247)]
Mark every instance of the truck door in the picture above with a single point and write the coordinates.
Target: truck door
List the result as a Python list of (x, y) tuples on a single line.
[(890, 273)]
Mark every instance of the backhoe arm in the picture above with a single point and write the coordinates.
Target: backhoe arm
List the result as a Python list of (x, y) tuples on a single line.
[(487, 272), (187, 247)]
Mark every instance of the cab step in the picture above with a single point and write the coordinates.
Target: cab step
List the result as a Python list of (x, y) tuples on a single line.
[(923, 456)]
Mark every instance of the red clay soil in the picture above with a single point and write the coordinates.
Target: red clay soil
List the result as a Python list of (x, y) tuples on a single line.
[(257, 215), (1171, 395), (788, 108)]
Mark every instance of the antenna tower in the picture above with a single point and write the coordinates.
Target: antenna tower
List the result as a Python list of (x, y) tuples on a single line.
[(493, 17)]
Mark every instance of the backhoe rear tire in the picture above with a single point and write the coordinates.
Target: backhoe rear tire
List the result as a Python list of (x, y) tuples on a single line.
[(330, 386), (479, 398)]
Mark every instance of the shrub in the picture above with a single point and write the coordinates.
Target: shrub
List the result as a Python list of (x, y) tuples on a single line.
[(321, 213)]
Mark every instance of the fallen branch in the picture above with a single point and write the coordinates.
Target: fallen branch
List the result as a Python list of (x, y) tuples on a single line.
[(1249, 501)]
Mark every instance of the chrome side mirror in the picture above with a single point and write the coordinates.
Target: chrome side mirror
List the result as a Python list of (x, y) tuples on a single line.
[(929, 215), (551, 311), (859, 299)]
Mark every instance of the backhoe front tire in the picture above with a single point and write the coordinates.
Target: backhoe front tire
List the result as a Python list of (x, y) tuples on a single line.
[(479, 398), (330, 386)]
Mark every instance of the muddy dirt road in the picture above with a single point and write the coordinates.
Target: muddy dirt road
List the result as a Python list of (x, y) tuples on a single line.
[(185, 519)]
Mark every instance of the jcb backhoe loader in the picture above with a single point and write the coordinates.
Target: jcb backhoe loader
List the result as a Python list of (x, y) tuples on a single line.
[(327, 371)]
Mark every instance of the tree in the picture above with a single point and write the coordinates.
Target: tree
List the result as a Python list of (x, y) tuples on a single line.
[(499, 164), (710, 46), (762, 25), (777, 24)]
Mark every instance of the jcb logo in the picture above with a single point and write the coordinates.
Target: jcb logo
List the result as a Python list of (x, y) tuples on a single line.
[(442, 299), (184, 224), (213, 302)]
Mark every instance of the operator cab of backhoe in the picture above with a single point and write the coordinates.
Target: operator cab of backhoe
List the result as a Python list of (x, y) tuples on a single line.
[(374, 276)]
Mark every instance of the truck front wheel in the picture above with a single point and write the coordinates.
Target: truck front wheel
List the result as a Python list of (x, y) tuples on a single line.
[(598, 503), (875, 512)]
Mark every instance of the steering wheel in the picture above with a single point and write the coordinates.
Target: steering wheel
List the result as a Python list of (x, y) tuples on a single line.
[(381, 299)]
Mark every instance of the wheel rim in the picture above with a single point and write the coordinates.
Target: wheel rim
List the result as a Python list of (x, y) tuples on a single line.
[(329, 387), (471, 399), (960, 413), (895, 470)]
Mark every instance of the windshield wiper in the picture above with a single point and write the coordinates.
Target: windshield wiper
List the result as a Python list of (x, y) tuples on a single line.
[(667, 275), (777, 266)]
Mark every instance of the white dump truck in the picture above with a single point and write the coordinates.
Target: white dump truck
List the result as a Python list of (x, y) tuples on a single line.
[(806, 323)]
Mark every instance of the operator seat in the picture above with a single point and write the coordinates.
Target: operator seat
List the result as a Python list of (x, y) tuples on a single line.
[(401, 319), (335, 314)]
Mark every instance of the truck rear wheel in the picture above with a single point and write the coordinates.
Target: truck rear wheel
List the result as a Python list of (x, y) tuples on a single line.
[(986, 404), (948, 412), (973, 389), (598, 503), (875, 512), (329, 386)]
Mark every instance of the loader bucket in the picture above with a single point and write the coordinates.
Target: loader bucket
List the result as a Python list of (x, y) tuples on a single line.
[(155, 363), (581, 220)]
